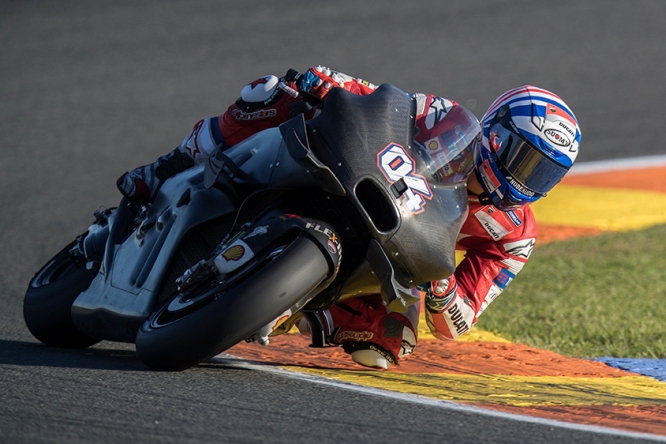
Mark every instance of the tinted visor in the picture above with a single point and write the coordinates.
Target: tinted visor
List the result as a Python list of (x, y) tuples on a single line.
[(534, 172)]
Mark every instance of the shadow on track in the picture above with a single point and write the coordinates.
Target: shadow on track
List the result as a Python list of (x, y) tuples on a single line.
[(32, 354)]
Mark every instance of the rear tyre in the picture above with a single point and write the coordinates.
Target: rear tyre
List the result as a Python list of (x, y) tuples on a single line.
[(191, 328), (48, 302)]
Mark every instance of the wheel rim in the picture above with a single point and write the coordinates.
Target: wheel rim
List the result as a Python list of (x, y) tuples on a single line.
[(56, 269), (183, 304)]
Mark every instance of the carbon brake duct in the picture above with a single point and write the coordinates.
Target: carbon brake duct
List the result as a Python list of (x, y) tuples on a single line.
[(396, 296)]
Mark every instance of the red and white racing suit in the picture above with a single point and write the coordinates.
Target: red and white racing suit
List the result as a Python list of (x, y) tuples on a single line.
[(497, 243)]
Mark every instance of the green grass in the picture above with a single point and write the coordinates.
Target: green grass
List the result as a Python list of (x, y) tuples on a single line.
[(589, 297)]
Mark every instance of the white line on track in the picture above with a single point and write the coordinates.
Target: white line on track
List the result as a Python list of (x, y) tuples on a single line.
[(633, 163), (233, 361)]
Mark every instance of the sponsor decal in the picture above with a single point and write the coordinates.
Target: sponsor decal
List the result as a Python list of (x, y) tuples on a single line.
[(331, 247), (395, 164), (333, 242), (236, 255), (493, 227), (522, 248), (233, 253), (438, 108), (388, 356), (441, 155), (192, 147), (316, 227), (514, 218), (458, 320), (488, 176), (503, 278), (568, 129), (258, 231), (557, 137), (446, 170), (256, 115), (554, 110), (520, 187), (360, 336)]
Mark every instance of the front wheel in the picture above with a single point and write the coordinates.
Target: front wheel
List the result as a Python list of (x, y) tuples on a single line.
[(192, 328), (48, 301)]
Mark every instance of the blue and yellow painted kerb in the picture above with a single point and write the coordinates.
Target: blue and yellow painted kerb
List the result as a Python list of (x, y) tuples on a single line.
[(483, 369)]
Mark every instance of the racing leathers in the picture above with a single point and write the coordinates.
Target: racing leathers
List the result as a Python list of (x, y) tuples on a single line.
[(496, 244)]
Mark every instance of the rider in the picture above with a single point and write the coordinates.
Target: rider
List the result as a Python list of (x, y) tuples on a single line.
[(530, 140)]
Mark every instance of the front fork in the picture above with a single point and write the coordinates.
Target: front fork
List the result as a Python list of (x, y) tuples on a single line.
[(88, 251)]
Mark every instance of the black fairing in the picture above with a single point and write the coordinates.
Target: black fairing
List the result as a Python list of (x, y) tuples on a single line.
[(348, 136)]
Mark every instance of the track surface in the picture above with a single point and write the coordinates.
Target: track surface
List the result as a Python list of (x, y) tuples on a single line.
[(91, 89)]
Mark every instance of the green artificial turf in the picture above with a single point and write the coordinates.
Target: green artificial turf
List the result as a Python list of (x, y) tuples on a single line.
[(589, 297)]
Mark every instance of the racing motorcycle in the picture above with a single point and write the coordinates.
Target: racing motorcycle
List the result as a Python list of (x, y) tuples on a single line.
[(230, 249)]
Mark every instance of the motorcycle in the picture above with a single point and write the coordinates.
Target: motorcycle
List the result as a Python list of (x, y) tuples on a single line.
[(255, 236)]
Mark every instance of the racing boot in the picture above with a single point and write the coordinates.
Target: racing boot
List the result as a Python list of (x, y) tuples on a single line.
[(141, 184), (372, 336)]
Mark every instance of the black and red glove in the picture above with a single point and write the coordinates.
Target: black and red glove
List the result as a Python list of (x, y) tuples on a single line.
[(265, 103), (319, 80)]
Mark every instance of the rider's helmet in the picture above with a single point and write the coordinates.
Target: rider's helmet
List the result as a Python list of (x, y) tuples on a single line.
[(530, 140)]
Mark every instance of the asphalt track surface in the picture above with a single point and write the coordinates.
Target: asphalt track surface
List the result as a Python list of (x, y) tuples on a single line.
[(89, 90)]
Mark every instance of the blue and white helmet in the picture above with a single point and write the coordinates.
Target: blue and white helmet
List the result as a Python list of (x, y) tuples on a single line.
[(530, 140)]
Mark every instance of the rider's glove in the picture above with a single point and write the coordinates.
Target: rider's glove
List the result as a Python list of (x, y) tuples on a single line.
[(318, 81), (449, 314), (265, 103), (440, 294), (266, 92)]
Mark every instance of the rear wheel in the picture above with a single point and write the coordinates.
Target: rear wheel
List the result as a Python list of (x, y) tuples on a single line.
[(48, 301), (201, 323)]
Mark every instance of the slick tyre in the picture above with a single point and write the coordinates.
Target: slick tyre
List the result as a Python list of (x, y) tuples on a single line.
[(48, 302), (190, 329)]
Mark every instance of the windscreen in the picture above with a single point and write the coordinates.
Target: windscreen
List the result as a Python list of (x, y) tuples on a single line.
[(451, 155)]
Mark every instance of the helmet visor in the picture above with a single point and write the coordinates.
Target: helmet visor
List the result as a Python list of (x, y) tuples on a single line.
[(526, 168)]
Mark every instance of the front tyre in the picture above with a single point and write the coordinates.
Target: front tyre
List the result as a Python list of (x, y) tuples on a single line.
[(48, 301), (187, 331)]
